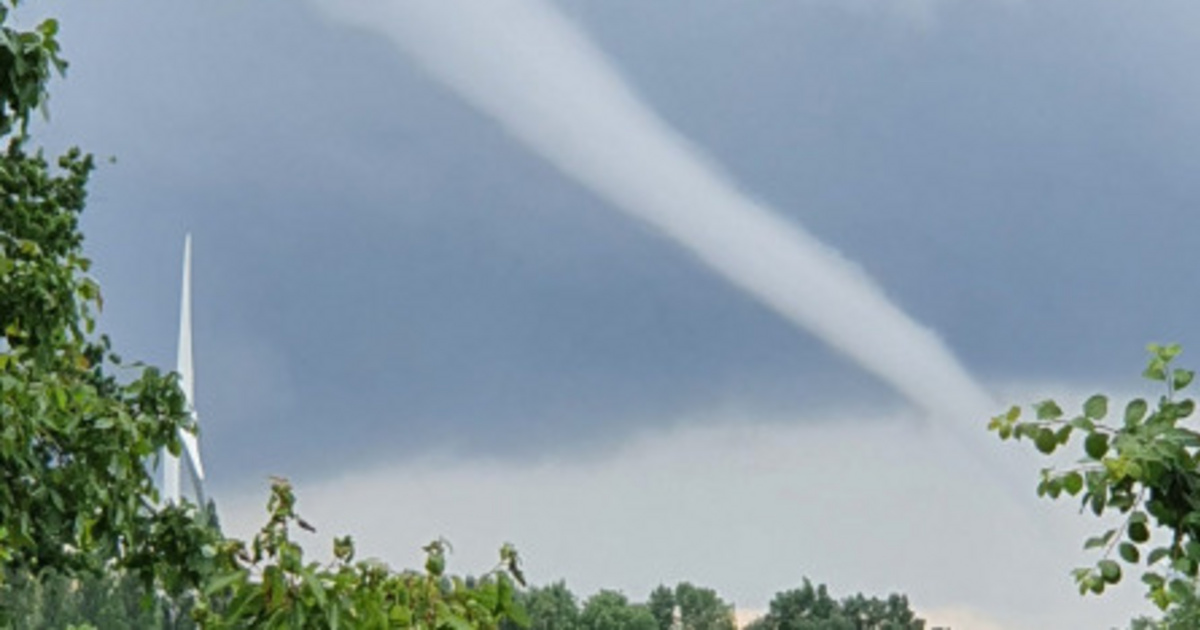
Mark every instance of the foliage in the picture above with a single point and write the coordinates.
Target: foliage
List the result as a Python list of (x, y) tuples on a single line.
[(699, 609), (76, 495), (105, 601), (611, 610), (26, 61), (1142, 468), (269, 585), (1184, 615), (809, 608), (76, 498), (552, 607), (661, 604)]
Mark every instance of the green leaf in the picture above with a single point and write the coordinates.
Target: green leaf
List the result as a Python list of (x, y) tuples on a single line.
[(1048, 410), (222, 582), (1135, 411), (1181, 378), (1156, 370), (1096, 407), (1096, 445), (455, 622), (1138, 532), (1133, 470), (435, 564), (1110, 571), (1129, 552), (1180, 590), (401, 615), (1184, 565), (1073, 483), (516, 612), (1101, 540), (48, 27), (1046, 441), (1158, 554), (1083, 424)]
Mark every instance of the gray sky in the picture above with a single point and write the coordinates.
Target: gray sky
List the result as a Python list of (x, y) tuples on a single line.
[(389, 287)]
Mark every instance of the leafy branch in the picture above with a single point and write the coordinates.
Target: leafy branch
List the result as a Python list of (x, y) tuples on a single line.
[(1144, 468), (269, 585)]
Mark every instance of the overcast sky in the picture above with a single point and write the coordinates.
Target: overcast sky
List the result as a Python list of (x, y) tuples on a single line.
[(435, 331)]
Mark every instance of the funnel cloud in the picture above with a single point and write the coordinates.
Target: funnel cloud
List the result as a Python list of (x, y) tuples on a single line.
[(537, 74)]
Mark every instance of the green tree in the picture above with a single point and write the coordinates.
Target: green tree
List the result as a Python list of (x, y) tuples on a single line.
[(699, 608), (812, 608), (661, 604), (105, 601), (611, 610), (873, 613), (76, 495), (552, 607), (702, 609), (1142, 471), (804, 608)]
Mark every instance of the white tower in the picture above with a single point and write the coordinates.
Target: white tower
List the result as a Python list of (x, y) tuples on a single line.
[(191, 447)]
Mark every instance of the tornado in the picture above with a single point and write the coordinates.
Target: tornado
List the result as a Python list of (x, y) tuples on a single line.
[(537, 74)]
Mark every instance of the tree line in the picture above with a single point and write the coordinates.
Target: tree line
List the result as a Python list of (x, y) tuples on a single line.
[(689, 607), (108, 601)]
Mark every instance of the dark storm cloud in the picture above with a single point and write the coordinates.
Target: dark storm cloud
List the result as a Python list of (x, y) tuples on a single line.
[(380, 270)]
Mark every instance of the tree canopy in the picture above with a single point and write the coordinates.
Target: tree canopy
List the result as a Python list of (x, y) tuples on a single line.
[(611, 610), (812, 608), (551, 607), (74, 439)]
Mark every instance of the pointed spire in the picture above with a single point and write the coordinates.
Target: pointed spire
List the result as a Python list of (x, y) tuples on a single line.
[(191, 447)]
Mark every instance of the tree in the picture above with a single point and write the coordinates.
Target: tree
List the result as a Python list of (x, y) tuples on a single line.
[(611, 610), (76, 495), (701, 608), (872, 613), (809, 608), (661, 605), (804, 608), (1141, 470), (53, 601), (552, 607)]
